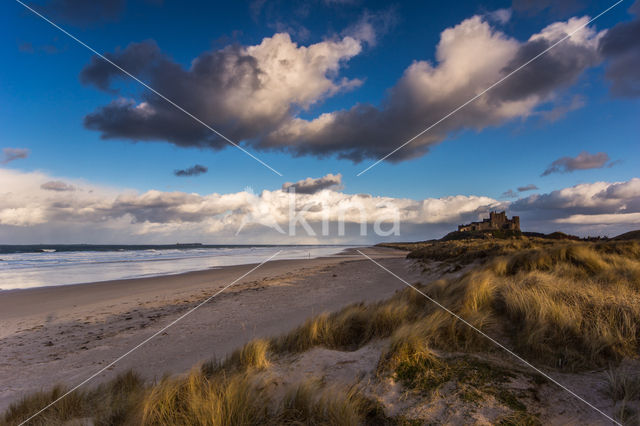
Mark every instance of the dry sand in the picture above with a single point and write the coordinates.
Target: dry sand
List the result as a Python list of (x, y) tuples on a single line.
[(65, 334)]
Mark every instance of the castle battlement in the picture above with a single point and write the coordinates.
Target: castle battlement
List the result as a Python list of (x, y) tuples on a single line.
[(496, 220)]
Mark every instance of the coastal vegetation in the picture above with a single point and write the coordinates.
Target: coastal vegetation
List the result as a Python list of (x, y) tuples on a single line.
[(568, 307)]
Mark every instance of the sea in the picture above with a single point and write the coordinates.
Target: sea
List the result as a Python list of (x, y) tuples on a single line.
[(28, 266)]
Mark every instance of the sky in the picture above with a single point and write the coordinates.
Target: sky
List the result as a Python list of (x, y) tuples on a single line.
[(309, 96)]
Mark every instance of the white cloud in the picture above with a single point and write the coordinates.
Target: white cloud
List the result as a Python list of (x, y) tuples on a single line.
[(601, 219), (470, 58), (612, 206), (240, 90), (170, 216), (93, 213)]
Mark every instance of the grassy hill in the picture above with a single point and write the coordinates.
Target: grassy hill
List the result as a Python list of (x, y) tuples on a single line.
[(631, 235)]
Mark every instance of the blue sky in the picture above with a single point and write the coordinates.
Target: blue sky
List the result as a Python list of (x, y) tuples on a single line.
[(43, 101)]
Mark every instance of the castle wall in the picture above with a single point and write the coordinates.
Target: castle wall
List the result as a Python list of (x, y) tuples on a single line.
[(496, 221)]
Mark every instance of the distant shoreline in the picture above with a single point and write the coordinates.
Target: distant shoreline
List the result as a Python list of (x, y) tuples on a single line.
[(60, 268), (40, 248)]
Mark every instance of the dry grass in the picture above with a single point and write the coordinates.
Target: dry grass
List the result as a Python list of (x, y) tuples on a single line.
[(107, 404), (568, 305), (240, 398), (252, 356), (565, 305)]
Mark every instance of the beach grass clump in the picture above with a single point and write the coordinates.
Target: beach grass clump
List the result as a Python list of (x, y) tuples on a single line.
[(224, 399), (353, 326), (252, 356), (107, 404), (197, 399), (312, 403)]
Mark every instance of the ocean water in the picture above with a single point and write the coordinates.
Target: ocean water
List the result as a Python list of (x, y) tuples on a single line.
[(40, 266)]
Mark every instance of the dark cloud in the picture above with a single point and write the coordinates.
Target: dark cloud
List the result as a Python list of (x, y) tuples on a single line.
[(239, 91), (530, 187), (11, 154), (57, 185), (83, 12), (191, 171), (422, 98), (311, 186), (583, 161), (509, 194), (621, 49), (557, 68), (137, 58), (236, 91)]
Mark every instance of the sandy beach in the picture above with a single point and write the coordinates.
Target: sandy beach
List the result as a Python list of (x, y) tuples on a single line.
[(64, 334)]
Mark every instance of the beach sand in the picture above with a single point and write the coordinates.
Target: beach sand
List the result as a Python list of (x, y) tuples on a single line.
[(65, 334)]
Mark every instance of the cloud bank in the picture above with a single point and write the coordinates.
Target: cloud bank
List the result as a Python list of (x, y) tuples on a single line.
[(255, 93), (31, 212), (609, 208)]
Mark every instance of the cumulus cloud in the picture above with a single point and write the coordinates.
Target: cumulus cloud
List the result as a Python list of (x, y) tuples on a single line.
[(529, 187), (612, 206), (255, 93), (191, 171), (470, 57), (311, 185), (583, 161), (620, 47), (57, 185), (240, 90), (11, 154)]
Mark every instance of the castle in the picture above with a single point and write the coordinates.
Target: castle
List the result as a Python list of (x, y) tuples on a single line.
[(496, 221)]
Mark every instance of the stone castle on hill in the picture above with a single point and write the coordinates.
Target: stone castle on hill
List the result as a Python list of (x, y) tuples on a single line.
[(496, 221)]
